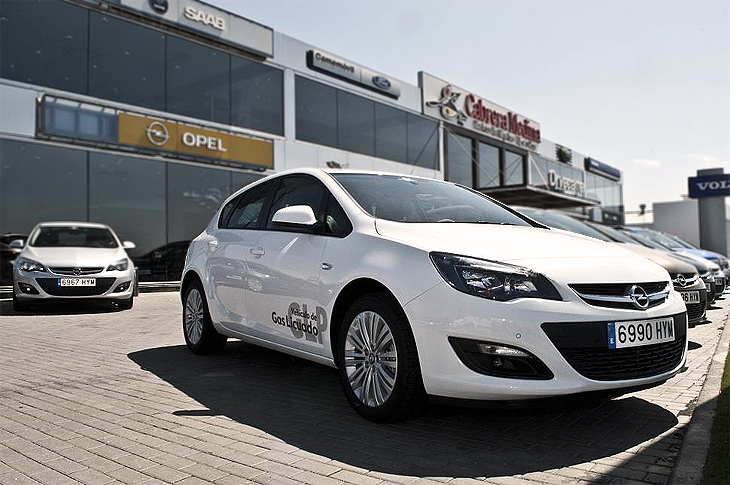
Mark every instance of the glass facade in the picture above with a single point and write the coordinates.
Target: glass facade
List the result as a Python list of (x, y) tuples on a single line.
[(175, 201), (481, 165), (58, 45), (335, 118)]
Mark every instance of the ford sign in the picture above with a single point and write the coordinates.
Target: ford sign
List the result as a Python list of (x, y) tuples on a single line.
[(381, 82)]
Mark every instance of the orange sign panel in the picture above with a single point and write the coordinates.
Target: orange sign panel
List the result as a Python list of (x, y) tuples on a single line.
[(170, 136)]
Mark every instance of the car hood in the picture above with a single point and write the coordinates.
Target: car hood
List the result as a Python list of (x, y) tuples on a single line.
[(74, 257), (562, 255)]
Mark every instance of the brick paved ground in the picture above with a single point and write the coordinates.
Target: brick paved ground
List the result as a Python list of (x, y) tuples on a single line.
[(104, 396)]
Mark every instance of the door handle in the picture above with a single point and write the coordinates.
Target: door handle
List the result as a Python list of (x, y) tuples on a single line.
[(212, 245), (257, 251)]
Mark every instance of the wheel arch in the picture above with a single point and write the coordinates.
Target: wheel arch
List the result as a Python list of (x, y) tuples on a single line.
[(349, 294), (189, 277)]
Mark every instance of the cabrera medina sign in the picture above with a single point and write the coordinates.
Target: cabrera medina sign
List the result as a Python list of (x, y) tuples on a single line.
[(709, 186)]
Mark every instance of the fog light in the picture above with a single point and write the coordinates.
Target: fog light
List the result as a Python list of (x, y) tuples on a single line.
[(29, 289), (492, 349), (122, 287), (499, 360)]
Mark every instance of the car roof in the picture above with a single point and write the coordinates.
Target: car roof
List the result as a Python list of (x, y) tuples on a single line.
[(73, 223)]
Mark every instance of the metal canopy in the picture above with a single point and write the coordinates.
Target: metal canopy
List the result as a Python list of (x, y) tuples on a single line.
[(536, 197)]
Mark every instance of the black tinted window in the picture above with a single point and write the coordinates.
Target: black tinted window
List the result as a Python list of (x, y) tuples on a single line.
[(247, 209), (297, 191), (409, 199), (336, 221), (257, 99)]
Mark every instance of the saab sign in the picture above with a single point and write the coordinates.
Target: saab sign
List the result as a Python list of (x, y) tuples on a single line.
[(709, 186)]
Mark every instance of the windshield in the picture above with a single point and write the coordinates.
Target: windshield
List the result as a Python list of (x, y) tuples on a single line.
[(73, 237), (567, 223), (612, 233), (405, 199), (662, 239), (642, 239)]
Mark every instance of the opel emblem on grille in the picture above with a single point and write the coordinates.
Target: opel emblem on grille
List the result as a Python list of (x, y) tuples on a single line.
[(681, 280), (77, 271), (639, 297)]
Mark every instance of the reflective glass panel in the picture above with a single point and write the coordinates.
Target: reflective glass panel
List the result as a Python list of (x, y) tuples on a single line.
[(513, 163), (45, 43), (126, 62), (198, 80), (458, 159), (257, 96), (40, 183), (355, 123), (422, 142), (391, 133), (488, 167), (316, 112)]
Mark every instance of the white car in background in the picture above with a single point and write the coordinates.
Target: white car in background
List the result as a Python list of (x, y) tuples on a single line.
[(73, 261), (413, 287)]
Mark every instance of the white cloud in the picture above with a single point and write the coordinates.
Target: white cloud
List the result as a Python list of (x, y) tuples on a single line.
[(648, 163), (705, 159)]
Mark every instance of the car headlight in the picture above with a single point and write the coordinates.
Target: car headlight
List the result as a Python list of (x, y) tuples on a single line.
[(707, 277), (120, 265), (492, 280), (28, 265)]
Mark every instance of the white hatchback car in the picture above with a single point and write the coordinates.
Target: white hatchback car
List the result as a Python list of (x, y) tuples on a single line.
[(73, 260), (413, 287)]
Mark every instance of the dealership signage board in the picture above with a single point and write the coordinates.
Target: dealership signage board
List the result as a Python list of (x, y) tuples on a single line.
[(709, 186), (460, 107), (600, 168), (206, 19), (175, 137), (336, 66)]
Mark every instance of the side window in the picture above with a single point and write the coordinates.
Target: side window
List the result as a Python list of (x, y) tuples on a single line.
[(297, 190), (247, 211), (336, 221)]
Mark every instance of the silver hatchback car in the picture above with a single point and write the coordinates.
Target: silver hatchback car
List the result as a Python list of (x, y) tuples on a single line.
[(73, 260)]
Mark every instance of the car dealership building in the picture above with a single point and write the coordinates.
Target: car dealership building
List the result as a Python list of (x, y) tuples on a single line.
[(146, 114)]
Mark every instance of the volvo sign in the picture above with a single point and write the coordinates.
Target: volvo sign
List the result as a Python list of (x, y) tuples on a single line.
[(709, 186)]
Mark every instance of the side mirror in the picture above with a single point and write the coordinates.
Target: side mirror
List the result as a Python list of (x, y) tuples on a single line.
[(295, 215), (128, 245), (17, 244)]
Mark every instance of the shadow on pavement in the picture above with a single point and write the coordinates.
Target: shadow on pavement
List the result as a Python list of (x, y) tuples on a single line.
[(302, 404), (75, 307)]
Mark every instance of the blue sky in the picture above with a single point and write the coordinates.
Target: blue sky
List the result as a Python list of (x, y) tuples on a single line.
[(643, 85)]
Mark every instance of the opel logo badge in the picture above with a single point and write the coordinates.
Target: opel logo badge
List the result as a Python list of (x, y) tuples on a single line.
[(77, 271), (639, 297), (157, 133), (681, 280)]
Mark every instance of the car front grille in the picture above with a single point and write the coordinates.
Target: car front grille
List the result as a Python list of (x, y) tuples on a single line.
[(75, 271), (695, 311), (585, 347), (50, 286), (617, 295)]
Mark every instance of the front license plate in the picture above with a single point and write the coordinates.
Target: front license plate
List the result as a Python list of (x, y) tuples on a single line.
[(641, 332), (690, 296), (77, 282)]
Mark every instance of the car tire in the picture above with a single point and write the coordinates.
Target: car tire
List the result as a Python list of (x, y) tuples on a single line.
[(200, 335), (126, 304), (19, 305), (377, 361)]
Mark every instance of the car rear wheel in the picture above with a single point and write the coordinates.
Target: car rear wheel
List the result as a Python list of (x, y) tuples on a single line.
[(378, 362), (200, 335)]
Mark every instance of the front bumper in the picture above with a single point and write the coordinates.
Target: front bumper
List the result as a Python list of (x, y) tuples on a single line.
[(40, 286), (559, 334)]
